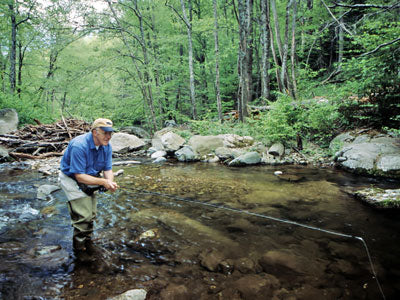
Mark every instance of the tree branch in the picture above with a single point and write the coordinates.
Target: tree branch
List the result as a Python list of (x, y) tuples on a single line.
[(366, 5), (380, 46), (337, 21)]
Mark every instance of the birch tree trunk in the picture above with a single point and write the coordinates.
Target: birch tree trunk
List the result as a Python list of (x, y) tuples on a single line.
[(190, 50), (265, 43), (217, 87)]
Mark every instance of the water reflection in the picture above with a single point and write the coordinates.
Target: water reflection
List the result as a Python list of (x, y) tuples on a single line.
[(173, 248)]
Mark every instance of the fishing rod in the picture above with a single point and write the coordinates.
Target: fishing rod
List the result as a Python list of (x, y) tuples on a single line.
[(286, 221)]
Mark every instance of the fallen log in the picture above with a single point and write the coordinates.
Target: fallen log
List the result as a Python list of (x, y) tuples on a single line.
[(30, 156)]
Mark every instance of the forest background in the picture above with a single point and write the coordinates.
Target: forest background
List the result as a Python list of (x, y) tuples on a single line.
[(271, 69)]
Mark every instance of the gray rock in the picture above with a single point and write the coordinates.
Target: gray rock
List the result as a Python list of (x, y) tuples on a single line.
[(277, 149), (341, 140), (139, 132), (205, 144), (45, 190), (159, 160), (123, 142), (160, 153), (224, 153), (171, 141), (170, 123), (4, 156), (379, 156), (236, 141), (379, 198), (136, 294), (249, 158), (8, 120), (186, 154)]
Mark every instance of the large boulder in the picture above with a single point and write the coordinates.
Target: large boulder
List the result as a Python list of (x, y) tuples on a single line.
[(123, 142), (8, 120), (166, 139), (171, 141), (205, 144), (376, 155)]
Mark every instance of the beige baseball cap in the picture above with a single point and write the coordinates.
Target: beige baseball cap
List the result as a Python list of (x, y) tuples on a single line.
[(104, 124)]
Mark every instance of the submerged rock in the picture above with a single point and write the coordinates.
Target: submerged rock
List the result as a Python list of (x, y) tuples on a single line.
[(136, 294)]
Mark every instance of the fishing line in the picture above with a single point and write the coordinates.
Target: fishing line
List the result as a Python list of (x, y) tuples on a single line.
[(236, 210)]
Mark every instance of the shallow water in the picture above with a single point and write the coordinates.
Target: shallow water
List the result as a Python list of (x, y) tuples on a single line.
[(166, 230)]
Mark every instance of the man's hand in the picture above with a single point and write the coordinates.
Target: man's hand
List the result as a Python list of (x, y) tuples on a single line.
[(110, 185)]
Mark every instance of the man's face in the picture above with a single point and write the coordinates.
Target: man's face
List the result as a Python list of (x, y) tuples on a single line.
[(101, 137)]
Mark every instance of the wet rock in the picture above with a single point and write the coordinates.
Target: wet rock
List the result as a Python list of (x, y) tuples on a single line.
[(290, 177), (310, 292), (123, 142), (10, 248), (46, 257), (276, 150), (136, 294), (344, 267), (249, 158), (379, 198), (175, 292), (211, 259), (285, 260), (246, 265), (186, 154), (256, 286), (8, 120), (45, 190)]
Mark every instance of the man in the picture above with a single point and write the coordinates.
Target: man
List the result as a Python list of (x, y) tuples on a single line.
[(84, 159)]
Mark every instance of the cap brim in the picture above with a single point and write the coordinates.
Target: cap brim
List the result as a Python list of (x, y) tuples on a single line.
[(107, 129)]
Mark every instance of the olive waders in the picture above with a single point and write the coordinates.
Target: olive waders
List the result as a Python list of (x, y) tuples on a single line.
[(82, 209)]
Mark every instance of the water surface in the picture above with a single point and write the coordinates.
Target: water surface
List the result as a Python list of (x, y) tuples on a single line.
[(163, 231)]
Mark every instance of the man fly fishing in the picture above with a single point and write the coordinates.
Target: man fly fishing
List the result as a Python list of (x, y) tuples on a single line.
[(86, 157)]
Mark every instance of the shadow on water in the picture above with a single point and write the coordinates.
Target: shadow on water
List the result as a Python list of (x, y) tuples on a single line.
[(156, 237)]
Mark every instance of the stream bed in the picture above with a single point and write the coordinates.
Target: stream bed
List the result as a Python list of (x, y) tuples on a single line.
[(203, 231)]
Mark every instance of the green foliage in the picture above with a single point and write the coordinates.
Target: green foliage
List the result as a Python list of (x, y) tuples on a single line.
[(27, 111)]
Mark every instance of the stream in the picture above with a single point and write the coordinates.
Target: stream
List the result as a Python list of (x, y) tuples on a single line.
[(198, 231)]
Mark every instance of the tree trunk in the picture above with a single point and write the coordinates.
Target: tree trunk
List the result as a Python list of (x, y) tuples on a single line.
[(244, 81), (281, 84), (191, 71), (293, 49), (284, 77), (265, 44), (217, 87), (147, 80), (13, 50)]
